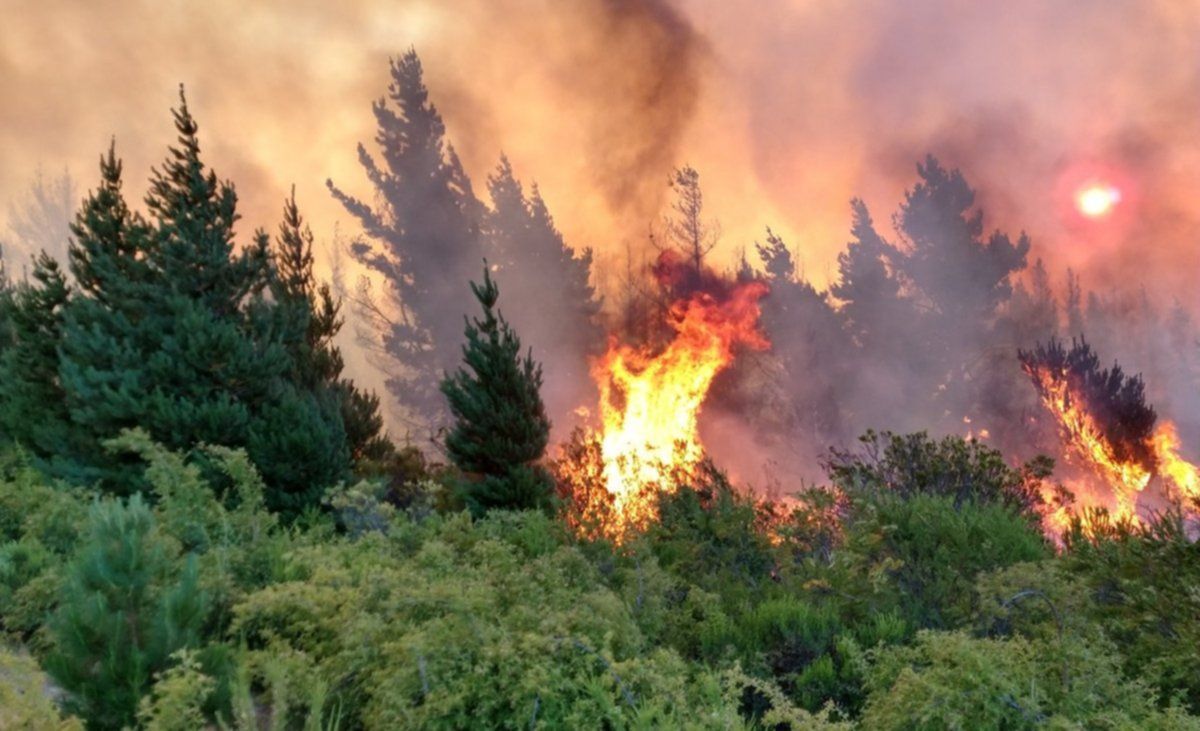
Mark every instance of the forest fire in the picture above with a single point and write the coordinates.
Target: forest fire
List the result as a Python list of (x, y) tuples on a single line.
[(1104, 421), (650, 399)]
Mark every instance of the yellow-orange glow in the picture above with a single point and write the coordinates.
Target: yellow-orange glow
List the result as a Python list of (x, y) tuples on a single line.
[(1120, 481), (649, 402), (1096, 200)]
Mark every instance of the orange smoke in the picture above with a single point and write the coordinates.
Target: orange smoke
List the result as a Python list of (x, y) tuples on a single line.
[(1121, 480), (650, 401)]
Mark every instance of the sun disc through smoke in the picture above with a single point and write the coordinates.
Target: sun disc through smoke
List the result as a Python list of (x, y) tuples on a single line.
[(1096, 200)]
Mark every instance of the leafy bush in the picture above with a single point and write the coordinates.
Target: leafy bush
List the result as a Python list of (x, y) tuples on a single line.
[(1143, 584), (26, 698), (915, 464), (177, 700), (928, 550), (953, 680)]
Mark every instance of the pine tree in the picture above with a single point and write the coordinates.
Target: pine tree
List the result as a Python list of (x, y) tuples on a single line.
[(32, 405), (39, 222), (961, 274), (562, 321), (687, 233), (426, 234), (317, 361), (171, 332), (126, 607), (500, 428), (869, 291), (808, 340), (687, 230), (1116, 401)]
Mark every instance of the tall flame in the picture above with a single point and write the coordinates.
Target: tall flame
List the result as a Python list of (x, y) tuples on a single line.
[(650, 401), (1122, 479)]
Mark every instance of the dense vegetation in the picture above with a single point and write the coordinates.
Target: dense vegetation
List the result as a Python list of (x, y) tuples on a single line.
[(202, 524), (926, 604)]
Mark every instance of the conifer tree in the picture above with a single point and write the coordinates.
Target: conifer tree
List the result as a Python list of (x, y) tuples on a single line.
[(807, 339), (127, 604), (500, 428), (961, 274), (426, 237), (687, 231), (32, 405), (317, 361), (171, 333), (562, 321), (867, 288)]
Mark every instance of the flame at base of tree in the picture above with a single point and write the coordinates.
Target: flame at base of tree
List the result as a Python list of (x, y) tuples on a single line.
[(650, 401), (1104, 421)]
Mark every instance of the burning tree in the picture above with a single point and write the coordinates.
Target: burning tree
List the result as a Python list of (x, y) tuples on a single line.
[(1104, 420), (650, 399)]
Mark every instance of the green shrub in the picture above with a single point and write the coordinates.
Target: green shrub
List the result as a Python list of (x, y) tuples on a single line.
[(177, 700), (1142, 581), (953, 680), (128, 603), (915, 464), (25, 697)]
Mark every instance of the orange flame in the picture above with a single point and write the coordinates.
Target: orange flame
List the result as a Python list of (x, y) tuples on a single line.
[(1122, 480), (650, 402)]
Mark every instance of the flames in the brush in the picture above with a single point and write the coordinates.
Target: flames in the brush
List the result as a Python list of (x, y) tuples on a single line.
[(650, 398), (1105, 423)]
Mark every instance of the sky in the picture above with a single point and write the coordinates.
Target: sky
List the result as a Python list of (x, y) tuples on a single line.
[(788, 108)]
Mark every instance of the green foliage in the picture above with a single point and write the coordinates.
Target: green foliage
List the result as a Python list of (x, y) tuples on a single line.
[(919, 556), (26, 701), (952, 680), (168, 329), (33, 408), (176, 702), (879, 607), (962, 469), (500, 427), (495, 624), (711, 532), (126, 606), (1143, 584), (316, 360)]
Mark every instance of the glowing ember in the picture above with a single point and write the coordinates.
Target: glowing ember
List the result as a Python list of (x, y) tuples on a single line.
[(649, 402), (1096, 200)]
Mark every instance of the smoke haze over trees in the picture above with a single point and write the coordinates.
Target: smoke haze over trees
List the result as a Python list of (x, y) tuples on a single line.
[(714, 392)]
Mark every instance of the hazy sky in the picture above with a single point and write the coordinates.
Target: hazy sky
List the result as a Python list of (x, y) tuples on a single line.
[(787, 107)]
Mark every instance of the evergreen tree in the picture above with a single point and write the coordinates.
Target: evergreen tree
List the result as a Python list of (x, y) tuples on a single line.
[(562, 321), (960, 274), (808, 340), (426, 233), (127, 605), (32, 406), (40, 220), (687, 230), (869, 291), (884, 325), (171, 333), (317, 361), (1116, 401), (1074, 305), (688, 234), (500, 428)]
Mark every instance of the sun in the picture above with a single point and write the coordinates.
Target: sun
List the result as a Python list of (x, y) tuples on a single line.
[(1096, 200)]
